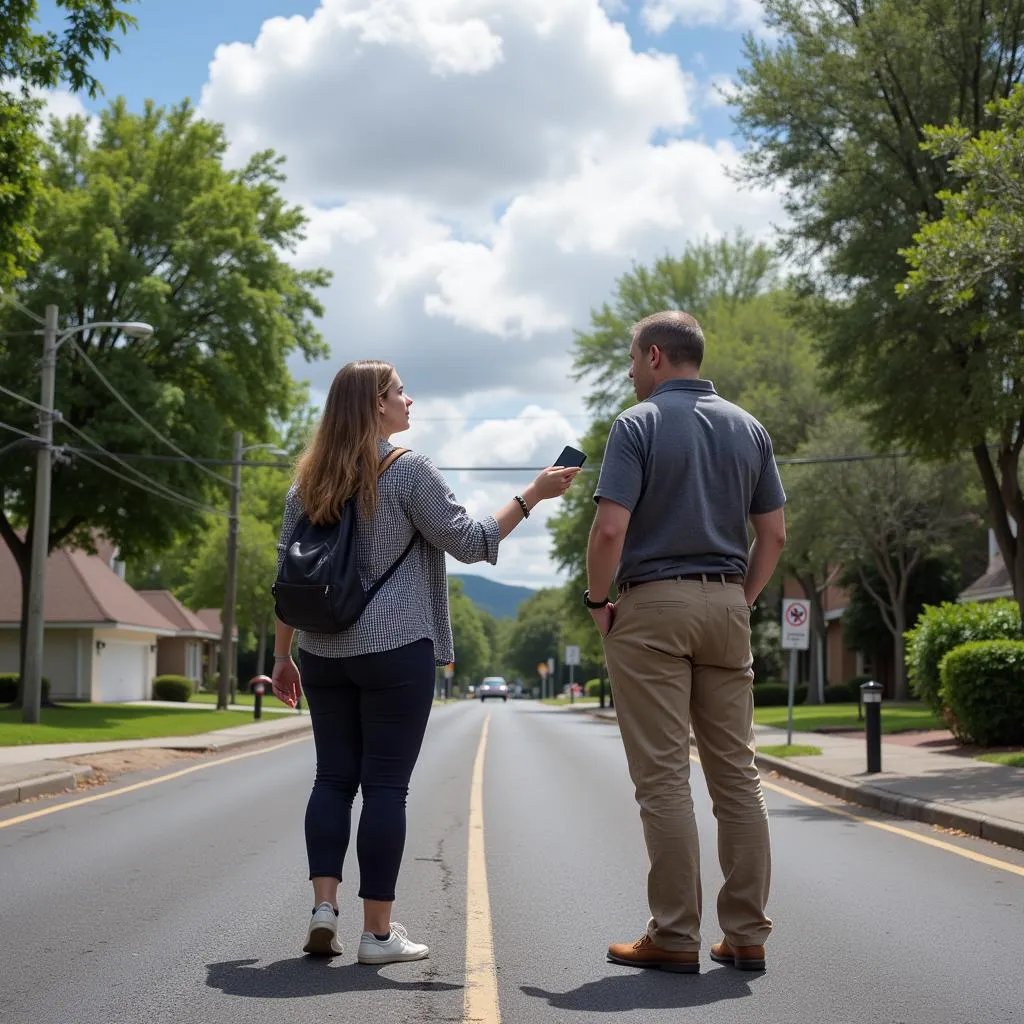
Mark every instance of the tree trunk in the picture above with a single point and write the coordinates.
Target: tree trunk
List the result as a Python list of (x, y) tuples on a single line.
[(899, 679), (261, 653)]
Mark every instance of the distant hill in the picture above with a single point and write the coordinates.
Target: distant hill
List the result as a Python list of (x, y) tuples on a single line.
[(499, 599)]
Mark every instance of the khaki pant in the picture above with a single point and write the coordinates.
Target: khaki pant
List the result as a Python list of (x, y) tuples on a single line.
[(679, 655)]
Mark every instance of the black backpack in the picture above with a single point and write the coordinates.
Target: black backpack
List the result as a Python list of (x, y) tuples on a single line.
[(318, 589)]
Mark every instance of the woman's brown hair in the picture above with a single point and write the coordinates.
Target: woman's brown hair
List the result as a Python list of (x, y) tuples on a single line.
[(342, 458)]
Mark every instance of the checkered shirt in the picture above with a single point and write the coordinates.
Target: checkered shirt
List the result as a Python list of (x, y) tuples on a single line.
[(413, 497)]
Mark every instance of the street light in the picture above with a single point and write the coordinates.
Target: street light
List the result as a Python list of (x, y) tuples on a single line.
[(32, 678), (231, 585)]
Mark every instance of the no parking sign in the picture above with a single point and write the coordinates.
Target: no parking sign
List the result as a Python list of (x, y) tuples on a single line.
[(796, 625)]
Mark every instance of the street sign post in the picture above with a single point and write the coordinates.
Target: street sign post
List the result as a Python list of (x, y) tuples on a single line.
[(449, 672), (796, 637), (572, 659), (542, 671)]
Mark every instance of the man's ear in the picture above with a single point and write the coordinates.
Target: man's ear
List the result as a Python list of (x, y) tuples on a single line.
[(654, 356)]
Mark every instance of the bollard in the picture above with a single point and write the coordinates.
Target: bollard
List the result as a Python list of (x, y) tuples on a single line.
[(871, 696), (258, 685), (601, 692)]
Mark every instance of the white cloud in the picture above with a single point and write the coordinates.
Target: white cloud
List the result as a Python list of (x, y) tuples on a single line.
[(660, 15), (453, 101), (477, 175)]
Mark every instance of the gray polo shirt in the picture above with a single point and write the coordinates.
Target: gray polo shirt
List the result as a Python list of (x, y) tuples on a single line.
[(691, 467)]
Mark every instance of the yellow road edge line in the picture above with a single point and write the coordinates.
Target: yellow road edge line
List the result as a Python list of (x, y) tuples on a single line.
[(481, 1002), (842, 812), (144, 785)]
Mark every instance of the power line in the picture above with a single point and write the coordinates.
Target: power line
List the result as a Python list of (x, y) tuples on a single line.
[(23, 399), (149, 482), (18, 430), (170, 496), (185, 457), (811, 460)]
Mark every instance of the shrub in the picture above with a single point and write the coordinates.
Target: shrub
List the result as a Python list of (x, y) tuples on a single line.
[(940, 629), (593, 688), (983, 687), (178, 688), (9, 688), (845, 693), (776, 695)]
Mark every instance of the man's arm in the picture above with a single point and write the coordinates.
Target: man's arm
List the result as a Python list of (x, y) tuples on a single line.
[(769, 540), (607, 535)]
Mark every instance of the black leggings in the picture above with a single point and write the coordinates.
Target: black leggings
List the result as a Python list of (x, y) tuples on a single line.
[(369, 715)]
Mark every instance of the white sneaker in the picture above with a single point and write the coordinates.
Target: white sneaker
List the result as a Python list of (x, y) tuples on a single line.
[(397, 948), (323, 932)]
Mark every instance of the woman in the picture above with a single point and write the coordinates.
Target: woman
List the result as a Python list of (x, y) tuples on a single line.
[(370, 688)]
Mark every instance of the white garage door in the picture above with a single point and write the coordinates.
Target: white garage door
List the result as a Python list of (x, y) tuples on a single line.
[(121, 668)]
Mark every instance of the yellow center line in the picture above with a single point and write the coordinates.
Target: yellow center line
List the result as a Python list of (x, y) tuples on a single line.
[(481, 1004), (842, 812), (145, 785)]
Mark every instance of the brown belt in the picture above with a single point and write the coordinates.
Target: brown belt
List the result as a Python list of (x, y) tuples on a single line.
[(698, 577)]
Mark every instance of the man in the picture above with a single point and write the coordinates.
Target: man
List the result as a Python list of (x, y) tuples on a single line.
[(683, 474)]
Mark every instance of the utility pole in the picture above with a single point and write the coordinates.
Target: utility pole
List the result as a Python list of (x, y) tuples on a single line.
[(32, 679), (227, 660)]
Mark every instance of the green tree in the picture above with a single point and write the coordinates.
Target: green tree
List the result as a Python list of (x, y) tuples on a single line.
[(836, 107), (206, 574), (888, 514), (32, 60), (472, 649), (143, 222), (969, 262), (537, 633)]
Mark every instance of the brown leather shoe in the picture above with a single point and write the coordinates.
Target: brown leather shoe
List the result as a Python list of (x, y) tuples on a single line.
[(743, 958), (644, 953)]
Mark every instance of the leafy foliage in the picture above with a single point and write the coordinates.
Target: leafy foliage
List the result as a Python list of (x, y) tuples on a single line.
[(983, 687), (836, 107), (173, 688), (941, 628), (472, 648), (32, 60)]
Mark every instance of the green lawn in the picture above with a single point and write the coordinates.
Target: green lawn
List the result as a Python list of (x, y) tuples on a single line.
[(792, 750), (1014, 760), (87, 723), (270, 702), (895, 717), (559, 701)]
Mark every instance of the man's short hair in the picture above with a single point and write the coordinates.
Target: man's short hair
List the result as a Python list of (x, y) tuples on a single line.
[(676, 333)]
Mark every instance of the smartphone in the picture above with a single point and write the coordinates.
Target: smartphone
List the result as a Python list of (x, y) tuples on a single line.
[(570, 457)]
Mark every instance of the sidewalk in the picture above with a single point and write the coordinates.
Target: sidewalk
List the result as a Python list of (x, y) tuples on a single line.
[(916, 782), (32, 770)]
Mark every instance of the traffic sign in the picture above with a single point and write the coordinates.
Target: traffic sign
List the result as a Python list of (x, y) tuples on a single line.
[(572, 654), (542, 669), (796, 625), (449, 671)]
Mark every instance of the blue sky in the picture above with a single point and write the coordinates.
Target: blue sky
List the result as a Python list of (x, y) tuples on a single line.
[(167, 56)]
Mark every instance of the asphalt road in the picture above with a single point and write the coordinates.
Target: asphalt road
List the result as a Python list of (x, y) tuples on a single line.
[(186, 901)]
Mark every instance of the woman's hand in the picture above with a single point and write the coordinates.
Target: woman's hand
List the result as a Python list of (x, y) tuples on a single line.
[(554, 481), (287, 684)]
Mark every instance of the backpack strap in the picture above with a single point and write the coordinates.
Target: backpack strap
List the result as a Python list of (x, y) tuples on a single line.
[(389, 459)]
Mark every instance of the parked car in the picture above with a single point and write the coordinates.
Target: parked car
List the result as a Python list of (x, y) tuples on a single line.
[(492, 686)]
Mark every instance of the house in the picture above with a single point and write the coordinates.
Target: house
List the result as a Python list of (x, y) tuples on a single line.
[(188, 652), (995, 582), (100, 637)]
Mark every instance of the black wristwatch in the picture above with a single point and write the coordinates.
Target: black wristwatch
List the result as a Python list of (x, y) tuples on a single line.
[(594, 604)]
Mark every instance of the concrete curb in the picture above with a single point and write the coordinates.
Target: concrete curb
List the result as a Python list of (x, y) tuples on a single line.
[(46, 784), (50, 781), (996, 830)]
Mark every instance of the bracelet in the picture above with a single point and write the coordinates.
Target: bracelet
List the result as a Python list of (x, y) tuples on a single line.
[(282, 657), (523, 506)]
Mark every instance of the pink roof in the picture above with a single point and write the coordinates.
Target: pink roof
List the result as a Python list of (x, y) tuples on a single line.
[(210, 617), (175, 612), (79, 588)]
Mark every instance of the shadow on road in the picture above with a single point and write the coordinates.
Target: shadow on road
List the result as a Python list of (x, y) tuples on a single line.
[(649, 990), (306, 976)]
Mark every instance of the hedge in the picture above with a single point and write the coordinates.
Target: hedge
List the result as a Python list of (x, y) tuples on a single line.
[(983, 687), (593, 688), (9, 688), (775, 695), (177, 688), (941, 629)]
